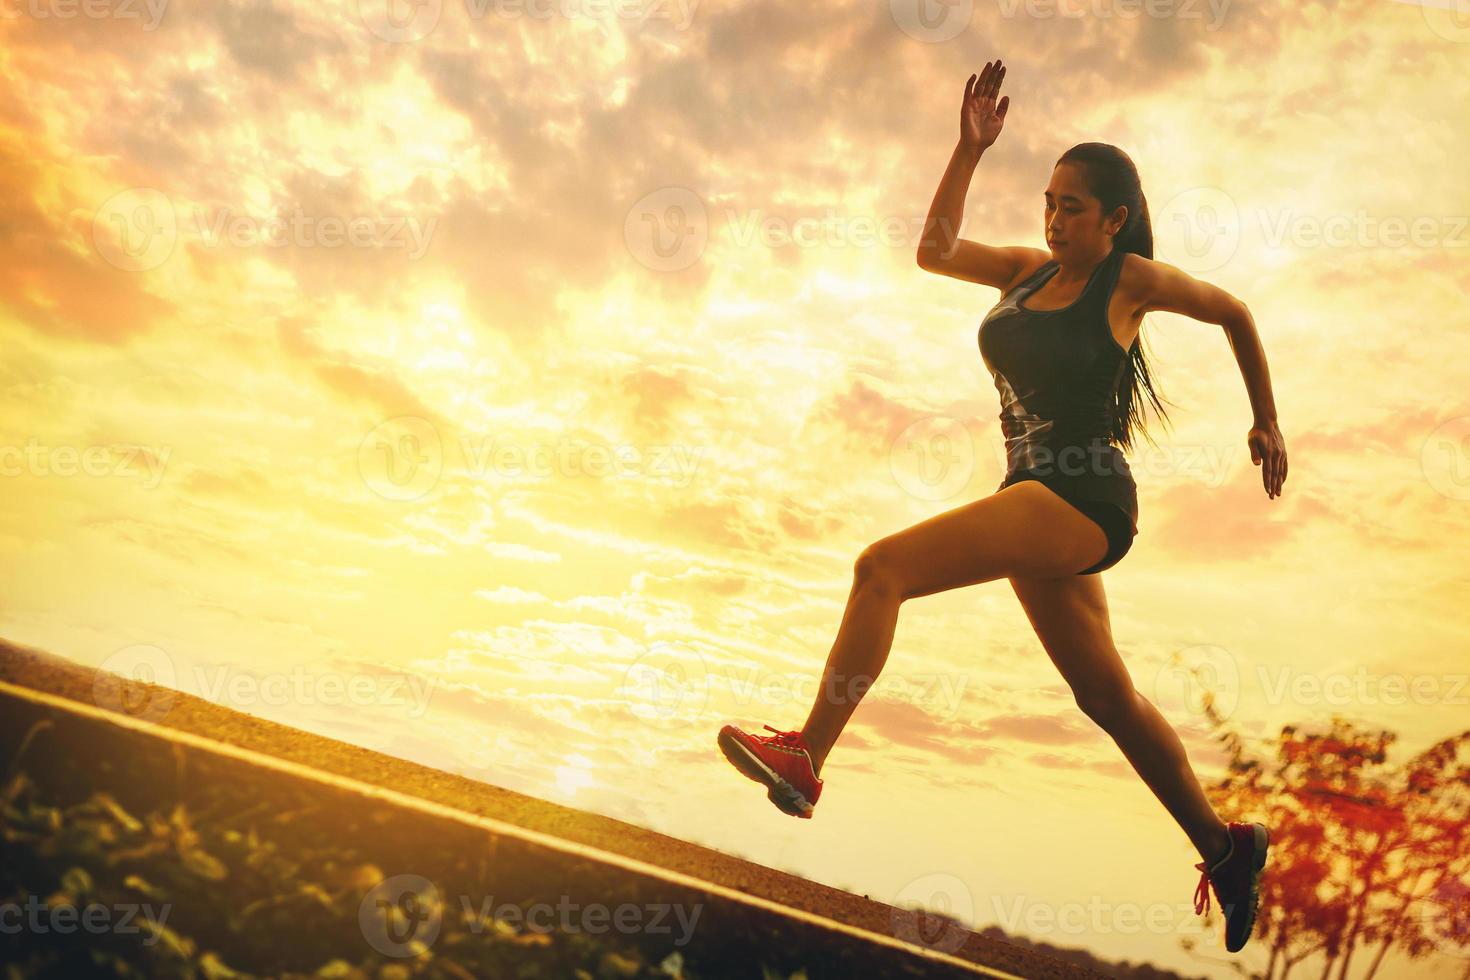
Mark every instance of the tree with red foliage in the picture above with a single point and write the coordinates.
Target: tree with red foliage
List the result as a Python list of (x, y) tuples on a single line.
[(1366, 855)]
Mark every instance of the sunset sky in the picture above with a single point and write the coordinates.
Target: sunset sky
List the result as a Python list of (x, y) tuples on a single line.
[(512, 388)]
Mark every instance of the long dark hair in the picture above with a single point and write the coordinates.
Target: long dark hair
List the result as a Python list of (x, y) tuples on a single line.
[(1112, 178)]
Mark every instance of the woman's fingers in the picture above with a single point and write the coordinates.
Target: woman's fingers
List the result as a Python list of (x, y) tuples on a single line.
[(1276, 466), (979, 111), (1269, 454), (985, 88), (990, 81)]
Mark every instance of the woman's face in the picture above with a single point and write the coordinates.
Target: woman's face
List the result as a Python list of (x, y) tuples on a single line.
[(1073, 217)]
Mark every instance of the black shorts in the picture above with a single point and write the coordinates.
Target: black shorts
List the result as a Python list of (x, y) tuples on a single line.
[(1115, 524), (1114, 521)]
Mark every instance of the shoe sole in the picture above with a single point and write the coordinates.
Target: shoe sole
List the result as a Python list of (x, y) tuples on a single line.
[(788, 798), (1262, 841)]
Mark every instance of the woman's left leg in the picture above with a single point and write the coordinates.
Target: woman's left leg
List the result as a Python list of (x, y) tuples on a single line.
[(1070, 616), (1024, 529)]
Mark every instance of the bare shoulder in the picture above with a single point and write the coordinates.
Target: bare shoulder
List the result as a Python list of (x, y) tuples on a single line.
[(1136, 278), (1149, 285)]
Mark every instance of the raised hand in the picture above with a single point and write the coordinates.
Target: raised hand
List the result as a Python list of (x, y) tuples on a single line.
[(981, 118)]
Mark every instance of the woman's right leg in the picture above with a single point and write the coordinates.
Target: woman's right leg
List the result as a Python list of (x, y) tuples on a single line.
[(1025, 529)]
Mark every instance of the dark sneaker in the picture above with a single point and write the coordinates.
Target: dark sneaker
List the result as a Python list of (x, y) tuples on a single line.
[(1236, 879), (781, 762)]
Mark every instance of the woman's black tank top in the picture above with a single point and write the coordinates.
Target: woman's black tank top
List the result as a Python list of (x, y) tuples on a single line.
[(1057, 372)]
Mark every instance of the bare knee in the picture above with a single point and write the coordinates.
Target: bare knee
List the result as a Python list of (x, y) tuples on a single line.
[(876, 570), (1109, 706)]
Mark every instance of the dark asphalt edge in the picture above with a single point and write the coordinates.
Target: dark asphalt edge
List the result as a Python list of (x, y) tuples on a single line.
[(439, 811)]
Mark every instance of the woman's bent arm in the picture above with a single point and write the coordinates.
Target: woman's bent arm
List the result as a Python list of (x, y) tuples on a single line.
[(941, 229), (940, 248), (1268, 448), (1172, 290), (1245, 343)]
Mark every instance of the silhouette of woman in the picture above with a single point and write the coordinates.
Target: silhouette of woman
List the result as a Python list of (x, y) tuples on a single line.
[(1062, 346)]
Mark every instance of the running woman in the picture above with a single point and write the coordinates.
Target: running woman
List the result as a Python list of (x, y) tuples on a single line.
[(1062, 346)]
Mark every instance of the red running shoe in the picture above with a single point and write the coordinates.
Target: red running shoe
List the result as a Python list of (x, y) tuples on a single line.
[(1236, 878), (782, 762)]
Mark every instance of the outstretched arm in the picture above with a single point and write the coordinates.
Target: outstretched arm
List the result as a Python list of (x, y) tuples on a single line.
[(1172, 290), (941, 250)]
